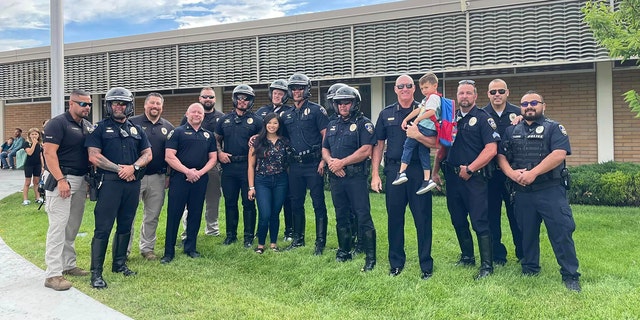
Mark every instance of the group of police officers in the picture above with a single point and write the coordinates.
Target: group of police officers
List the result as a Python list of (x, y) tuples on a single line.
[(138, 157)]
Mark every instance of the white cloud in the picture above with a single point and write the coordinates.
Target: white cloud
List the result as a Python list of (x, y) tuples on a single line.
[(15, 44), (16, 14)]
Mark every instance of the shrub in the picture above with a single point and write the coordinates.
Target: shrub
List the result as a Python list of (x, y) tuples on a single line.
[(608, 183)]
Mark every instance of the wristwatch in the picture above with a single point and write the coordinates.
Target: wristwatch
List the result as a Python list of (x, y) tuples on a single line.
[(137, 167), (469, 172)]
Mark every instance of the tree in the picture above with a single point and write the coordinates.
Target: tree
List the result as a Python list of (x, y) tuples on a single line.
[(618, 30)]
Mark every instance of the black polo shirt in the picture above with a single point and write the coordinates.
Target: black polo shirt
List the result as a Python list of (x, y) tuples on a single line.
[(157, 135), (70, 136), (210, 120), (192, 147), (388, 127)]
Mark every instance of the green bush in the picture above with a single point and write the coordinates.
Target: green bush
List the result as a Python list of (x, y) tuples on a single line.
[(608, 183)]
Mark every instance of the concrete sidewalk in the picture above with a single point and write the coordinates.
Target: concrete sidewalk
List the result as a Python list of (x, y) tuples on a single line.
[(22, 291)]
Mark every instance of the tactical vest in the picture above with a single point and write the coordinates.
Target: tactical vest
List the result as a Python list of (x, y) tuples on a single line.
[(528, 149)]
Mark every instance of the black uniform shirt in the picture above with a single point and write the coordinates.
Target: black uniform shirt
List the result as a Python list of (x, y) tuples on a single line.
[(157, 135), (192, 147), (509, 113), (388, 127), (266, 109), (304, 125), (343, 138), (121, 143), (236, 131), (210, 120), (70, 137), (475, 130)]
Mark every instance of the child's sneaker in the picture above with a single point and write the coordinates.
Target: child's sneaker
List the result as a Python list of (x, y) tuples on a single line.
[(26, 203), (40, 200), (426, 186), (400, 179)]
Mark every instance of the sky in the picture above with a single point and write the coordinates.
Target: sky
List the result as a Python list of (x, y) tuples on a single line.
[(25, 23)]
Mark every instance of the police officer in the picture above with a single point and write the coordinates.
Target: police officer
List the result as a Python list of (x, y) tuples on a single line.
[(66, 162), (389, 132), (533, 155), (120, 150), (155, 180), (207, 99), (278, 96), (503, 113), (232, 134), (191, 153), (346, 150), (464, 169), (306, 125)]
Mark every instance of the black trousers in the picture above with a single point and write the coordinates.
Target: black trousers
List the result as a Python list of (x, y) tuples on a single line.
[(235, 185), (498, 194), (302, 177), (117, 201), (351, 194), (468, 198), (397, 198), (183, 193)]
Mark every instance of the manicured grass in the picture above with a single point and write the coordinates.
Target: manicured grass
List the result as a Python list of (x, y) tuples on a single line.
[(231, 282)]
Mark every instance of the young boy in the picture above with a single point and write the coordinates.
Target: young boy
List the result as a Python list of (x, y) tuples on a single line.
[(430, 106)]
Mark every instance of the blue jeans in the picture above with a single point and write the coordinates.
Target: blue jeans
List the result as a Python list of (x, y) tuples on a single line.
[(423, 151), (270, 194)]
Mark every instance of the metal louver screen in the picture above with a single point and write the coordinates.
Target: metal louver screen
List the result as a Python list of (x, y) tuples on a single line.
[(319, 54), (86, 72), (144, 69), (550, 33), (410, 46), (217, 63), (25, 79)]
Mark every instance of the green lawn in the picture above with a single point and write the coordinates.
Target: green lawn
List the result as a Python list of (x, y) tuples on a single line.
[(231, 282)]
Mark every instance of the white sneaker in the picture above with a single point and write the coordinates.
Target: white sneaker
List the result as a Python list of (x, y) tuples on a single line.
[(400, 179), (40, 200), (26, 203)]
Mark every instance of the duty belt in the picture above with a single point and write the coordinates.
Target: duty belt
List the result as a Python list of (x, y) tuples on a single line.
[(353, 170), (307, 156), (238, 158)]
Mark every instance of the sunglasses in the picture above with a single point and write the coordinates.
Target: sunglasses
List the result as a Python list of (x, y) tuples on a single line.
[(343, 102), (208, 97), (532, 103), (83, 104), (118, 103), (242, 98), (402, 86), (500, 91), (296, 88), (471, 82)]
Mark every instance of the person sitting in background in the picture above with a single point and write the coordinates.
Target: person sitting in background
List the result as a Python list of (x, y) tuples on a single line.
[(33, 165), (5, 151), (11, 153)]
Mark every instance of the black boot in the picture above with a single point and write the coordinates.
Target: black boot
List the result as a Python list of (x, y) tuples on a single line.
[(369, 238), (486, 256), (98, 251), (321, 236), (344, 245), (120, 244), (298, 241), (356, 238), (248, 240), (231, 238), (466, 247)]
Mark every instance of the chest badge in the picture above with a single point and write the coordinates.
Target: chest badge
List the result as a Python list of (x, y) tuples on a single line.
[(164, 131), (133, 131), (539, 129), (306, 112), (353, 127), (473, 121), (512, 116), (206, 135), (250, 121)]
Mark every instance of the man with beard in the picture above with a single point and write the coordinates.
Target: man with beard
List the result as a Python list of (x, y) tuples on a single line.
[(191, 153), (233, 132), (389, 133), (278, 97), (207, 99), (155, 179), (503, 113), (306, 124), (119, 149), (533, 155), (66, 162), (466, 176)]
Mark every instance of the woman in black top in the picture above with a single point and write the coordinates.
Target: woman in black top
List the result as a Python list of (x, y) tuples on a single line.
[(33, 165)]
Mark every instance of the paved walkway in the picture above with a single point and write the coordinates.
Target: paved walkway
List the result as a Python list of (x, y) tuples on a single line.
[(22, 291)]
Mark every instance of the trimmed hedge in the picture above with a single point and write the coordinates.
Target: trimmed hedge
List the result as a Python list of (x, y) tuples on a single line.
[(608, 184)]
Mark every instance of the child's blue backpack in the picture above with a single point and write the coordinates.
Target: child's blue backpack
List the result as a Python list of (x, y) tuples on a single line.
[(447, 126)]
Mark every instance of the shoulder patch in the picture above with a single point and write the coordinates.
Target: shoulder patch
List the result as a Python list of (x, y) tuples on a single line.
[(323, 110), (562, 129), (492, 123), (369, 127), (170, 134)]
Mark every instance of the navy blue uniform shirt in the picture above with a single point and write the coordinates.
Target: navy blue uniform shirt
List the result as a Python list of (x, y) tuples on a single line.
[(157, 135), (475, 130), (236, 131), (121, 143), (266, 109), (557, 138), (343, 138), (210, 120), (70, 137), (503, 121), (192, 147), (304, 125), (388, 128)]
